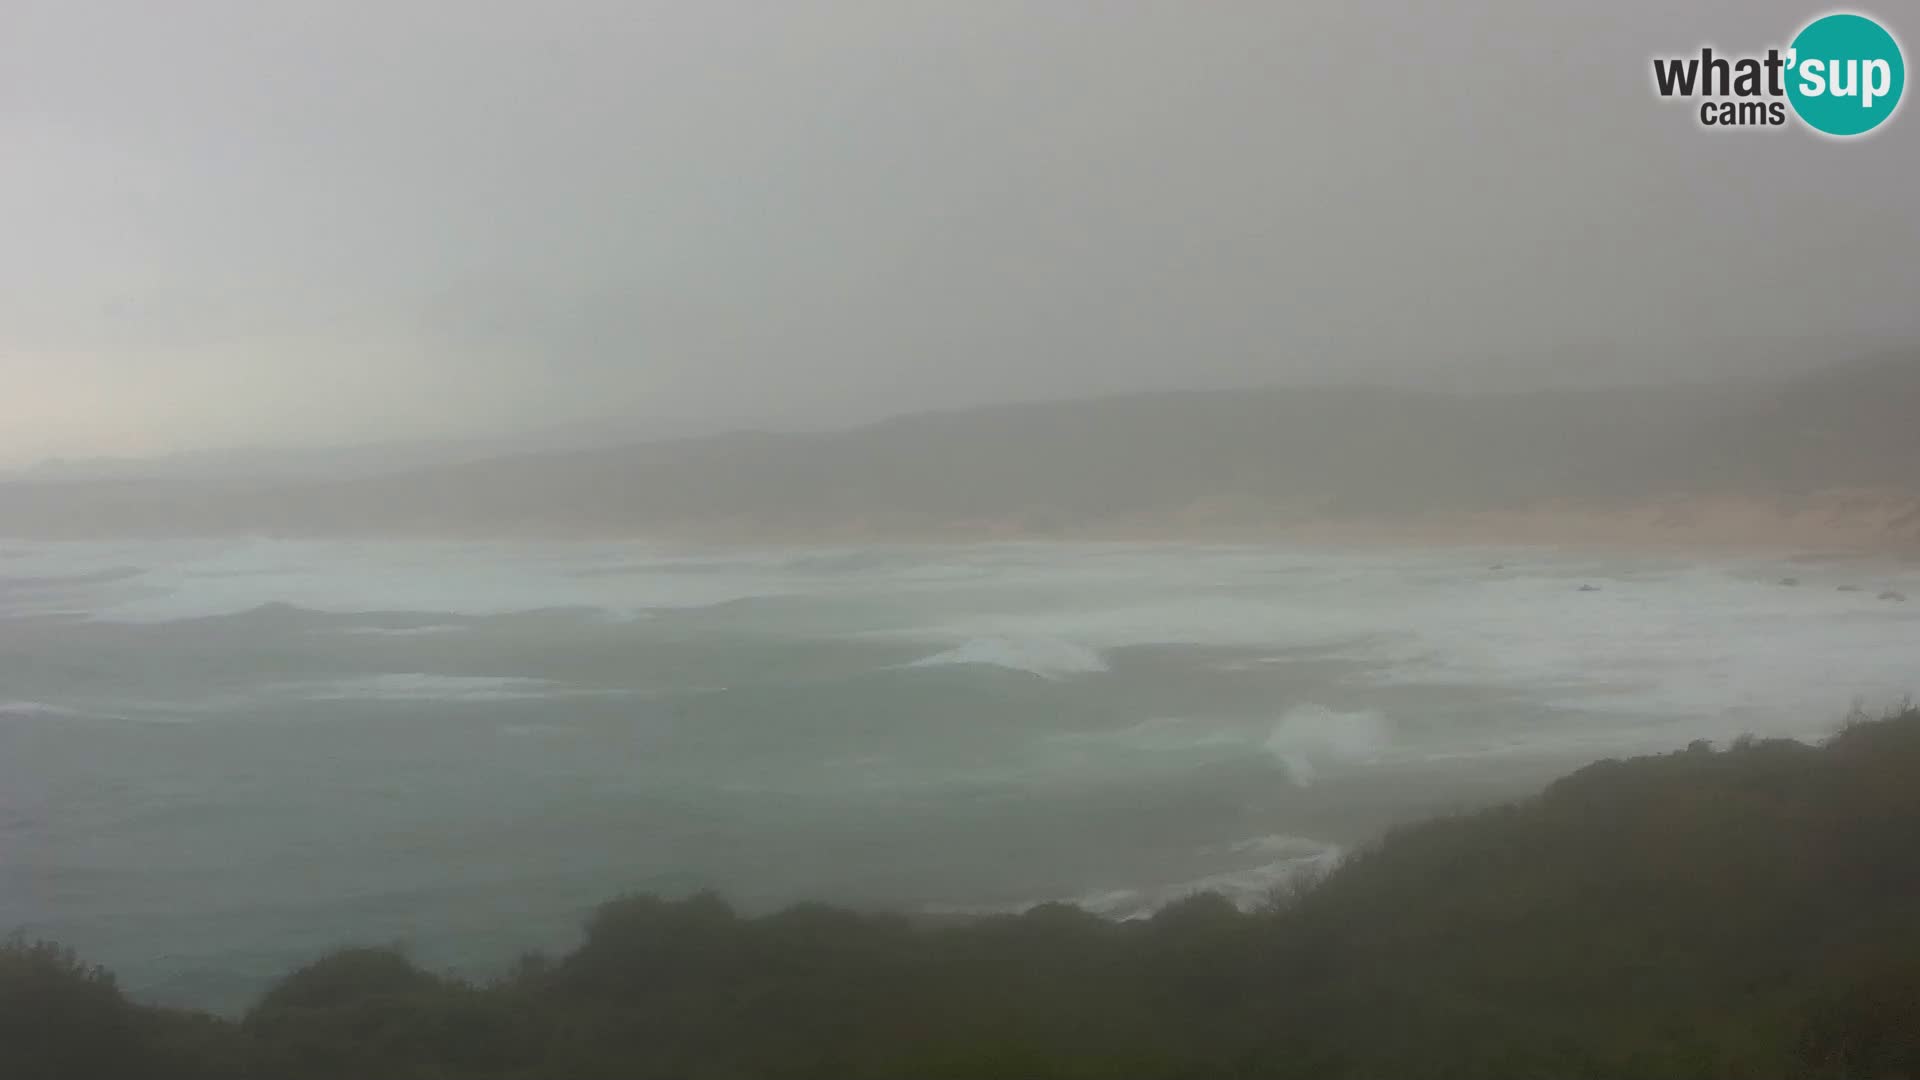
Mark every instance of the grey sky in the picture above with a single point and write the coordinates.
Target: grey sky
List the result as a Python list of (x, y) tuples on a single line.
[(248, 222)]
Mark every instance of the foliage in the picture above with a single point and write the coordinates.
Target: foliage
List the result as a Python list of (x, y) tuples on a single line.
[(1741, 913)]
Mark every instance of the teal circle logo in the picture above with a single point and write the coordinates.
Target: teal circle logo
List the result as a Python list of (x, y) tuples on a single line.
[(1845, 74)]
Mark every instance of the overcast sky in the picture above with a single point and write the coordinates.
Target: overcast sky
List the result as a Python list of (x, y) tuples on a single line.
[(282, 221)]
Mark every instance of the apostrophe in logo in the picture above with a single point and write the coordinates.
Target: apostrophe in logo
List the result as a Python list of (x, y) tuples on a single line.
[(1842, 76), (1845, 74)]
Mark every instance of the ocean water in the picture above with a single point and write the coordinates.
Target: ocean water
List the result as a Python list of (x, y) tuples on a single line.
[(218, 760)]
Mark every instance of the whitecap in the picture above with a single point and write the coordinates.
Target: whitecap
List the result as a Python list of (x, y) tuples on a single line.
[(420, 686), (522, 731), (1162, 733), (406, 631), (1047, 657), (1293, 859), (40, 710), (1310, 737), (33, 710), (1245, 887)]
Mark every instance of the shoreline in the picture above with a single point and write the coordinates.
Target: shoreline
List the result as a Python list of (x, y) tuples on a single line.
[(1840, 526)]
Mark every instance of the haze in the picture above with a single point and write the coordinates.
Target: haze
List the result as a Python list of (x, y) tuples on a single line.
[(229, 223)]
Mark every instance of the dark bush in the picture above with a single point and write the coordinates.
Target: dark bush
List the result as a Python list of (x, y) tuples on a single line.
[(1740, 913)]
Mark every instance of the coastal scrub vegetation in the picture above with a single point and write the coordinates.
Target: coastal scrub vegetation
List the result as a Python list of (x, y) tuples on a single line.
[(1751, 911)]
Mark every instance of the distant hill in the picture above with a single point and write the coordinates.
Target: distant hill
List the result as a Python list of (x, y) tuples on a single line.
[(320, 463), (1839, 444)]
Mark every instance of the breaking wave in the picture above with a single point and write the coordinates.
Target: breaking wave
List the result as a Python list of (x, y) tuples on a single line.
[(1247, 888), (32, 710), (406, 631), (1288, 859), (1048, 657), (418, 686), (1310, 737), (40, 710)]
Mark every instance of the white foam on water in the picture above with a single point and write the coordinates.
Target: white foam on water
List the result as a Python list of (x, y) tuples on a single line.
[(1709, 643), (196, 579), (1164, 733), (1310, 738), (33, 710), (523, 731), (1291, 859), (40, 710), (1048, 657), (1246, 888), (1663, 651), (420, 686)]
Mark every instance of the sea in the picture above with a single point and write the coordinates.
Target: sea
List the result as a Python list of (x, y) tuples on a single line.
[(221, 759)]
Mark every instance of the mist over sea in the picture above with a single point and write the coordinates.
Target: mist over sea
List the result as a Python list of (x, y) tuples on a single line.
[(218, 760)]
